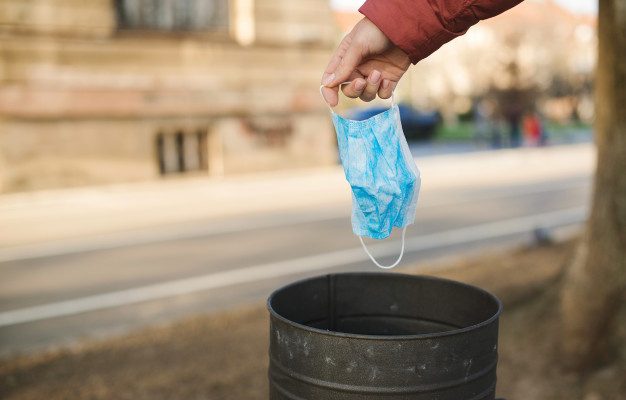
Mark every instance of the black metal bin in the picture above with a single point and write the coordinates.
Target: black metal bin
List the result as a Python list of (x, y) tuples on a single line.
[(382, 336)]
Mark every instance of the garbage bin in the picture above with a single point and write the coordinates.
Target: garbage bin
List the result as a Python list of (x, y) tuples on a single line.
[(382, 336)]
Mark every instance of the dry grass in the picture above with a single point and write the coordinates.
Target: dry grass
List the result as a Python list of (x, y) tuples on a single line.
[(224, 356)]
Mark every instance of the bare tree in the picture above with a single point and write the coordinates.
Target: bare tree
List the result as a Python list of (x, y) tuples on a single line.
[(595, 283)]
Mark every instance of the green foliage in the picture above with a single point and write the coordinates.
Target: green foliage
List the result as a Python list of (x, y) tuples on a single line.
[(558, 128), (452, 132), (465, 131)]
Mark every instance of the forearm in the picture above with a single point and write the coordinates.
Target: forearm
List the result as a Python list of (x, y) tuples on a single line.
[(420, 27)]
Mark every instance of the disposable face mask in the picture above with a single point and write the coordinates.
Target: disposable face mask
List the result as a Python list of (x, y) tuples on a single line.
[(382, 174)]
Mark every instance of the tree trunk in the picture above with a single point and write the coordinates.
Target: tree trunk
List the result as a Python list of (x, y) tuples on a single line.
[(595, 283)]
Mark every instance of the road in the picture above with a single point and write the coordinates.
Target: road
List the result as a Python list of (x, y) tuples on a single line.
[(186, 270), (91, 262)]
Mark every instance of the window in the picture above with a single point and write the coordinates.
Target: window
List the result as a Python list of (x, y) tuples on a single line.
[(182, 151), (172, 15)]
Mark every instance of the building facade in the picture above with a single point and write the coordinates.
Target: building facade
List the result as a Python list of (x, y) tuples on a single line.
[(105, 91)]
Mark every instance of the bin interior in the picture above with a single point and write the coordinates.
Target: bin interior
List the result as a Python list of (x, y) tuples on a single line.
[(383, 304)]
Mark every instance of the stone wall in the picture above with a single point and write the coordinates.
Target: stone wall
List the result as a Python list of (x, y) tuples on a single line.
[(82, 102)]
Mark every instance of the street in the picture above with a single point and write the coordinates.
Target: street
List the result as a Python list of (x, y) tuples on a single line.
[(157, 275)]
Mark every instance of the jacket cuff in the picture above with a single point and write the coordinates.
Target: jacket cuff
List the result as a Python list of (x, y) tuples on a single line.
[(413, 26)]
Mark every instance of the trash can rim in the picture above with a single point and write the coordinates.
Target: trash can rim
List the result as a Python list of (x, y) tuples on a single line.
[(421, 336)]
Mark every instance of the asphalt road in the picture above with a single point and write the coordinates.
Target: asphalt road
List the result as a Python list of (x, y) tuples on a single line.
[(47, 301)]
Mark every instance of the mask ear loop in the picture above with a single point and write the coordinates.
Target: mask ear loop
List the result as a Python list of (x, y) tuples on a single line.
[(393, 97), (376, 262)]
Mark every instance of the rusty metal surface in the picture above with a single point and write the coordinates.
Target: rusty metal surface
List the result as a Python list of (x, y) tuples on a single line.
[(382, 336)]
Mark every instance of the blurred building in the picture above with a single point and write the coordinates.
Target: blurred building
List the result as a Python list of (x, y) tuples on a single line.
[(117, 90), (537, 47)]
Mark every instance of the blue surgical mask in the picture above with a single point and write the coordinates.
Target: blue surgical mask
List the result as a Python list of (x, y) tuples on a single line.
[(382, 174)]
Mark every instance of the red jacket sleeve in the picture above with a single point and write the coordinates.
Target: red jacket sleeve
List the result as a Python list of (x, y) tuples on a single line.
[(419, 27)]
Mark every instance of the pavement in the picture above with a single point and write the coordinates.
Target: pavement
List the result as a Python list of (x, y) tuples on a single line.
[(94, 262), (70, 216)]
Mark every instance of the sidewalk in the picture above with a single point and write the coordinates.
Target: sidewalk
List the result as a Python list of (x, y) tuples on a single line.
[(201, 356), (47, 216)]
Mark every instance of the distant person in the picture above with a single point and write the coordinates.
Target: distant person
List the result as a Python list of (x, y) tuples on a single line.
[(513, 120), (496, 136), (533, 129), (394, 34), (544, 135), (482, 121)]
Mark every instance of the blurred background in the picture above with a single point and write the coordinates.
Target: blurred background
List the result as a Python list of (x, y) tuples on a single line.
[(162, 160), (117, 91)]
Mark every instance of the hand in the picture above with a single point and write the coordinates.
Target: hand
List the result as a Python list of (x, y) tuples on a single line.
[(368, 59)]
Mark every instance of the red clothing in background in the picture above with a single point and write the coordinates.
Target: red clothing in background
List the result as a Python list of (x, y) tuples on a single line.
[(532, 129), (419, 27)]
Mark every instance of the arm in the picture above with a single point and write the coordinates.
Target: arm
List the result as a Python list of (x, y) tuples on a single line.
[(420, 27), (394, 34)]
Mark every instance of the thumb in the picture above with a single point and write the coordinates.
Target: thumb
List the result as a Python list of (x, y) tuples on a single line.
[(350, 60)]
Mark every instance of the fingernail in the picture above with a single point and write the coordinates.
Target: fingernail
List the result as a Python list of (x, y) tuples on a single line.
[(386, 83), (359, 84), (374, 77), (329, 79)]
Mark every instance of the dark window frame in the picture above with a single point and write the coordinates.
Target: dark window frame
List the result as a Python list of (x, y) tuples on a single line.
[(173, 142), (173, 17)]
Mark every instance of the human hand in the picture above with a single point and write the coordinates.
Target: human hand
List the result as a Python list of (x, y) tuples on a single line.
[(368, 59)]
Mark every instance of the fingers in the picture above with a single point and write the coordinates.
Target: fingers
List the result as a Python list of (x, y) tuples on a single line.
[(386, 89), (348, 64), (364, 88), (335, 59), (331, 89), (331, 95), (355, 88), (350, 55), (373, 84)]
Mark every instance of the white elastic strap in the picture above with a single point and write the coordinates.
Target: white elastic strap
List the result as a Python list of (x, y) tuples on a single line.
[(376, 262), (393, 96)]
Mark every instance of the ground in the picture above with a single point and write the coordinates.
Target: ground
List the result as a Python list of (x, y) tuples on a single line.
[(225, 356)]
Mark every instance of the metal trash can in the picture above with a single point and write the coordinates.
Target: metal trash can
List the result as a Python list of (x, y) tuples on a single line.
[(382, 336)]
